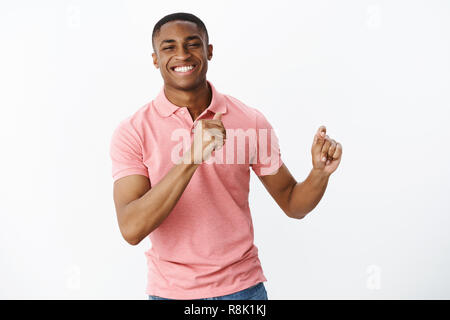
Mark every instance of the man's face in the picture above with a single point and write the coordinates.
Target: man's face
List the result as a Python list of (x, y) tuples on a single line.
[(182, 54)]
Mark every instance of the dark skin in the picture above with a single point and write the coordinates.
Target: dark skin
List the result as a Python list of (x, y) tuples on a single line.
[(141, 208), (182, 43)]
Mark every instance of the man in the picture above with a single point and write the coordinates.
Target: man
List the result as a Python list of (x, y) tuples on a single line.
[(191, 197)]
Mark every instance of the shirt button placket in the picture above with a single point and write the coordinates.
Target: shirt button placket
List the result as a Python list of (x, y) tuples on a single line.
[(193, 126), (182, 111)]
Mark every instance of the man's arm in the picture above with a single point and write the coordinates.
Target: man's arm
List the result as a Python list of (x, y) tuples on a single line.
[(141, 208), (298, 199), (295, 199)]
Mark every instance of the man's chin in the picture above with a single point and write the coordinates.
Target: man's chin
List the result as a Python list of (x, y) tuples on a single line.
[(185, 84)]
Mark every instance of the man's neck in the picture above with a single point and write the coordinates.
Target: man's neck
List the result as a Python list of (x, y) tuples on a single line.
[(196, 100)]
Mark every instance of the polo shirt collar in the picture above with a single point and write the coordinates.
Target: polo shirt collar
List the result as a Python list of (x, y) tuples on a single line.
[(166, 108)]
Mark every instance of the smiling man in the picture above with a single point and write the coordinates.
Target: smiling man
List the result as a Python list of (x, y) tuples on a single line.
[(190, 198)]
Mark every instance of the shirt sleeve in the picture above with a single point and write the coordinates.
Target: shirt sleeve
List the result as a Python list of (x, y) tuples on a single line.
[(268, 155), (126, 152)]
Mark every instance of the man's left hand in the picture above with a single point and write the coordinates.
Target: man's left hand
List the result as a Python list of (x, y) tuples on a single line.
[(326, 152)]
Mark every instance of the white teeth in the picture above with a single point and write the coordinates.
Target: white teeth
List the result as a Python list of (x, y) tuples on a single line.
[(184, 69)]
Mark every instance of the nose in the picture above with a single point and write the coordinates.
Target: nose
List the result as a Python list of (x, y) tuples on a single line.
[(182, 53)]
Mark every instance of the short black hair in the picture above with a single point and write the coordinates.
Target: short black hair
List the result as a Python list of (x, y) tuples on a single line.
[(179, 16)]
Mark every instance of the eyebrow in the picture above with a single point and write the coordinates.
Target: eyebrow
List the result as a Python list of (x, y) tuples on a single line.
[(185, 39)]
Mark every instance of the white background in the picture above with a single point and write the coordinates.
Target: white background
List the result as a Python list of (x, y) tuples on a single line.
[(376, 73)]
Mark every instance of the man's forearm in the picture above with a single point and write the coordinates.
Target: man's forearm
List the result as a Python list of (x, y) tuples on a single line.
[(305, 195), (146, 213)]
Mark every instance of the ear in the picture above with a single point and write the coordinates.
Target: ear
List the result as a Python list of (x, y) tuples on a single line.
[(155, 60), (210, 51)]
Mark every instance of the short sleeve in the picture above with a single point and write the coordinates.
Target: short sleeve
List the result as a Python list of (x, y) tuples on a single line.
[(126, 152), (268, 155)]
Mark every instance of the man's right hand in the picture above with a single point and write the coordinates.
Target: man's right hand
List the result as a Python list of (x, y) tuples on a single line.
[(209, 135)]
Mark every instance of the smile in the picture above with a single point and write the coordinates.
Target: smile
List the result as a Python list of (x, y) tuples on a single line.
[(183, 70)]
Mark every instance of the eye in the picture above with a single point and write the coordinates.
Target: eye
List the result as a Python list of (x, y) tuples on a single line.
[(194, 45), (168, 48)]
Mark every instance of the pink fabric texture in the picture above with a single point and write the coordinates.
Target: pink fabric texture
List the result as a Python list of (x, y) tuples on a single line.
[(205, 247)]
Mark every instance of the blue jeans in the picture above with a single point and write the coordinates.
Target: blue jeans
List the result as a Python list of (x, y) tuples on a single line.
[(256, 292)]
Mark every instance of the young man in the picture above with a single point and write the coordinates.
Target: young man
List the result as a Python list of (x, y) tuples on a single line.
[(190, 197)]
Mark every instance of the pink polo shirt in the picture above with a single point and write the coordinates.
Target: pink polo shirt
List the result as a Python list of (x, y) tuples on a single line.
[(205, 247)]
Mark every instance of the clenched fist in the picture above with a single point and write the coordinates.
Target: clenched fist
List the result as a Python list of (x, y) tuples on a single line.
[(209, 135), (326, 152)]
